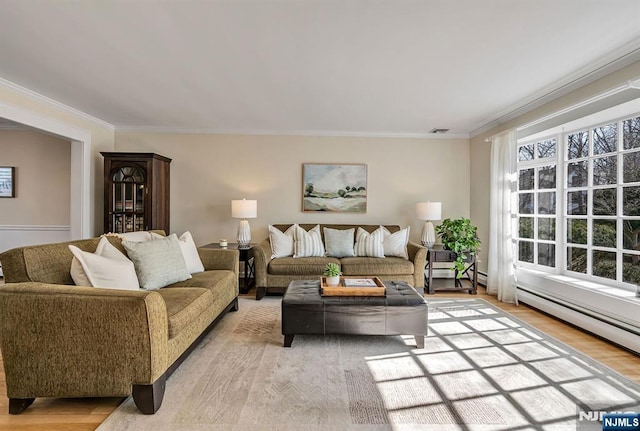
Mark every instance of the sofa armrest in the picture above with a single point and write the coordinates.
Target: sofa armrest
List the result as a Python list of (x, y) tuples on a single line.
[(261, 258), (213, 258), (418, 255), (13, 267), (72, 341)]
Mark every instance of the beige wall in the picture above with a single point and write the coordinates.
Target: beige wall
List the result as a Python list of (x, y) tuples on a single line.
[(481, 150), (208, 171), (480, 170), (43, 178), (102, 139)]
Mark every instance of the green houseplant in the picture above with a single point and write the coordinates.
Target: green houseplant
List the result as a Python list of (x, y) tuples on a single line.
[(461, 237), (332, 273)]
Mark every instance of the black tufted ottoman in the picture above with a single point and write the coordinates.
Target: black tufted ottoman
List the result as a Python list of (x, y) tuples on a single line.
[(402, 312)]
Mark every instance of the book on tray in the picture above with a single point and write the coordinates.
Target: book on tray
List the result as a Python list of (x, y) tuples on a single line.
[(359, 282)]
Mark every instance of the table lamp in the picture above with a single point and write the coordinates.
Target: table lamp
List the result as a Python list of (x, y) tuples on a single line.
[(244, 209), (429, 211)]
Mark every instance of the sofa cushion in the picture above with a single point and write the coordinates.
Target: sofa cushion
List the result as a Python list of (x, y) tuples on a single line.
[(158, 263), (107, 268), (190, 253), (339, 242), (138, 236), (395, 244), (281, 242), (184, 305), (307, 244), (300, 265), (369, 244), (211, 279), (376, 266)]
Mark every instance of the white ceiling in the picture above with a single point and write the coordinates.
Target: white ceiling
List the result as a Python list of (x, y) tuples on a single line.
[(373, 67)]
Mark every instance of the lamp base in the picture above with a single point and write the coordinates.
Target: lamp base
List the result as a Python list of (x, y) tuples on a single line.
[(244, 234), (428, 235)]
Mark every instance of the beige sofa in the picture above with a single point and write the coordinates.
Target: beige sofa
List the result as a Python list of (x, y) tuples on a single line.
[(276, 274), (62, 340)]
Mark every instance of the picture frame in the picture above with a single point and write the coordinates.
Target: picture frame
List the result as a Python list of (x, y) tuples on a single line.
[(334, 187), (7, 182)]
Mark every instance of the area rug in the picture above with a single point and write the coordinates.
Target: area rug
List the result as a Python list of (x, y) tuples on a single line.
[(481, 369)]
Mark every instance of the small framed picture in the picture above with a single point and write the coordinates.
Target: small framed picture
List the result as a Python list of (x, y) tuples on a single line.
[(7, 182)]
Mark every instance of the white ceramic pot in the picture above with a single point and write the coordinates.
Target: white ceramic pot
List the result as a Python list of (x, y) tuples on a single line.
[(333, 281)]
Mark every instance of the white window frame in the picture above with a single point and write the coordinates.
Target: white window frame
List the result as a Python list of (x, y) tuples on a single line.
[(561, 162), (536, 164)]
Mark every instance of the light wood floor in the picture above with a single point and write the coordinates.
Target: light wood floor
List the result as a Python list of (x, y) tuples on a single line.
[(87, 414)]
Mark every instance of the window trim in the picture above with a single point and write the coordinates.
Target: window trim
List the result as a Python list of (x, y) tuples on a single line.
[(535, 164), (589, 123)]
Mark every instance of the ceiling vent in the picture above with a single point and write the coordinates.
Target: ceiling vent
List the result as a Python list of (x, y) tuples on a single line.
[(438, 130)]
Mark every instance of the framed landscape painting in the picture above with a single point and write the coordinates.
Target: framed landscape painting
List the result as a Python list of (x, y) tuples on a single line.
[(334, 188), (7, 182)]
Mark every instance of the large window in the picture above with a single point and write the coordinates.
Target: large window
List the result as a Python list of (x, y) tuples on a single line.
[(537, 184), (579, 202)]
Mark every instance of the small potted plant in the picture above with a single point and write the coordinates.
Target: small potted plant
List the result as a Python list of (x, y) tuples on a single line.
[(332, 273), (461, 237)]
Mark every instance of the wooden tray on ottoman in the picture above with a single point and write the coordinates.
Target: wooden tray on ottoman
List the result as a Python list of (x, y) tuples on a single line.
[(344, 289)]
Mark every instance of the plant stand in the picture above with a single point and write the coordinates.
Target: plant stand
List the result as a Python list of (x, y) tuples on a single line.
[(439, 254)]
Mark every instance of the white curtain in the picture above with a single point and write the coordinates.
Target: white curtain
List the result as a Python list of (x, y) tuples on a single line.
[(501, 274)]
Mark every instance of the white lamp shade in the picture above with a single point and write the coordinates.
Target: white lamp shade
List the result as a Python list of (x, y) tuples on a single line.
[(429, 210), (244, 208)]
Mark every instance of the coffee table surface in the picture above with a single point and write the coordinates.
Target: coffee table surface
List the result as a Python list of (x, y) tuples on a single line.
[(403, 311), (398, 294)]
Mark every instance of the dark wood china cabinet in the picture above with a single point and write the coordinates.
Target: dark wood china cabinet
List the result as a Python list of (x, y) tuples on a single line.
[(136, 192)]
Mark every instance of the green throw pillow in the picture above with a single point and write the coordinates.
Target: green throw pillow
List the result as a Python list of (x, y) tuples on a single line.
[(339, 242), (158, 262)]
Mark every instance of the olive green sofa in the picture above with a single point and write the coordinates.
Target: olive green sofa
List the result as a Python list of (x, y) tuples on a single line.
[(276, 274), (67, 341)]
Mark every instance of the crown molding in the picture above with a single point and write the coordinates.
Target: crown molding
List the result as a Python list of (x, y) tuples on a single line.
[(39, 97), (6, 127), (616, 60), (321, 133)]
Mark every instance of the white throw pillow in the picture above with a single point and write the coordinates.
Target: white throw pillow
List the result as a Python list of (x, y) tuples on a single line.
[(138, 236), (339, 242), (107, 268), (158, 263), (281, 242), (395, 244), (307, 244), (369, 244), (190, 253)]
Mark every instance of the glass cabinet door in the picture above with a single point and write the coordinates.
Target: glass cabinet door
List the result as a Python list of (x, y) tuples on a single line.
[(129, 190)]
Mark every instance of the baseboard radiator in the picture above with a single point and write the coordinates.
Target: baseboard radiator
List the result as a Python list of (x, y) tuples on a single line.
[(595, 324)]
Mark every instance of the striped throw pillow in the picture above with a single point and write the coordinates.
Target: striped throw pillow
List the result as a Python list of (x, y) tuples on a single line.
[(307, 244), (369, 244)]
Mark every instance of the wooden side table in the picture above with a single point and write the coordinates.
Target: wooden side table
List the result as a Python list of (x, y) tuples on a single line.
[(246, 257), (439, 254)]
